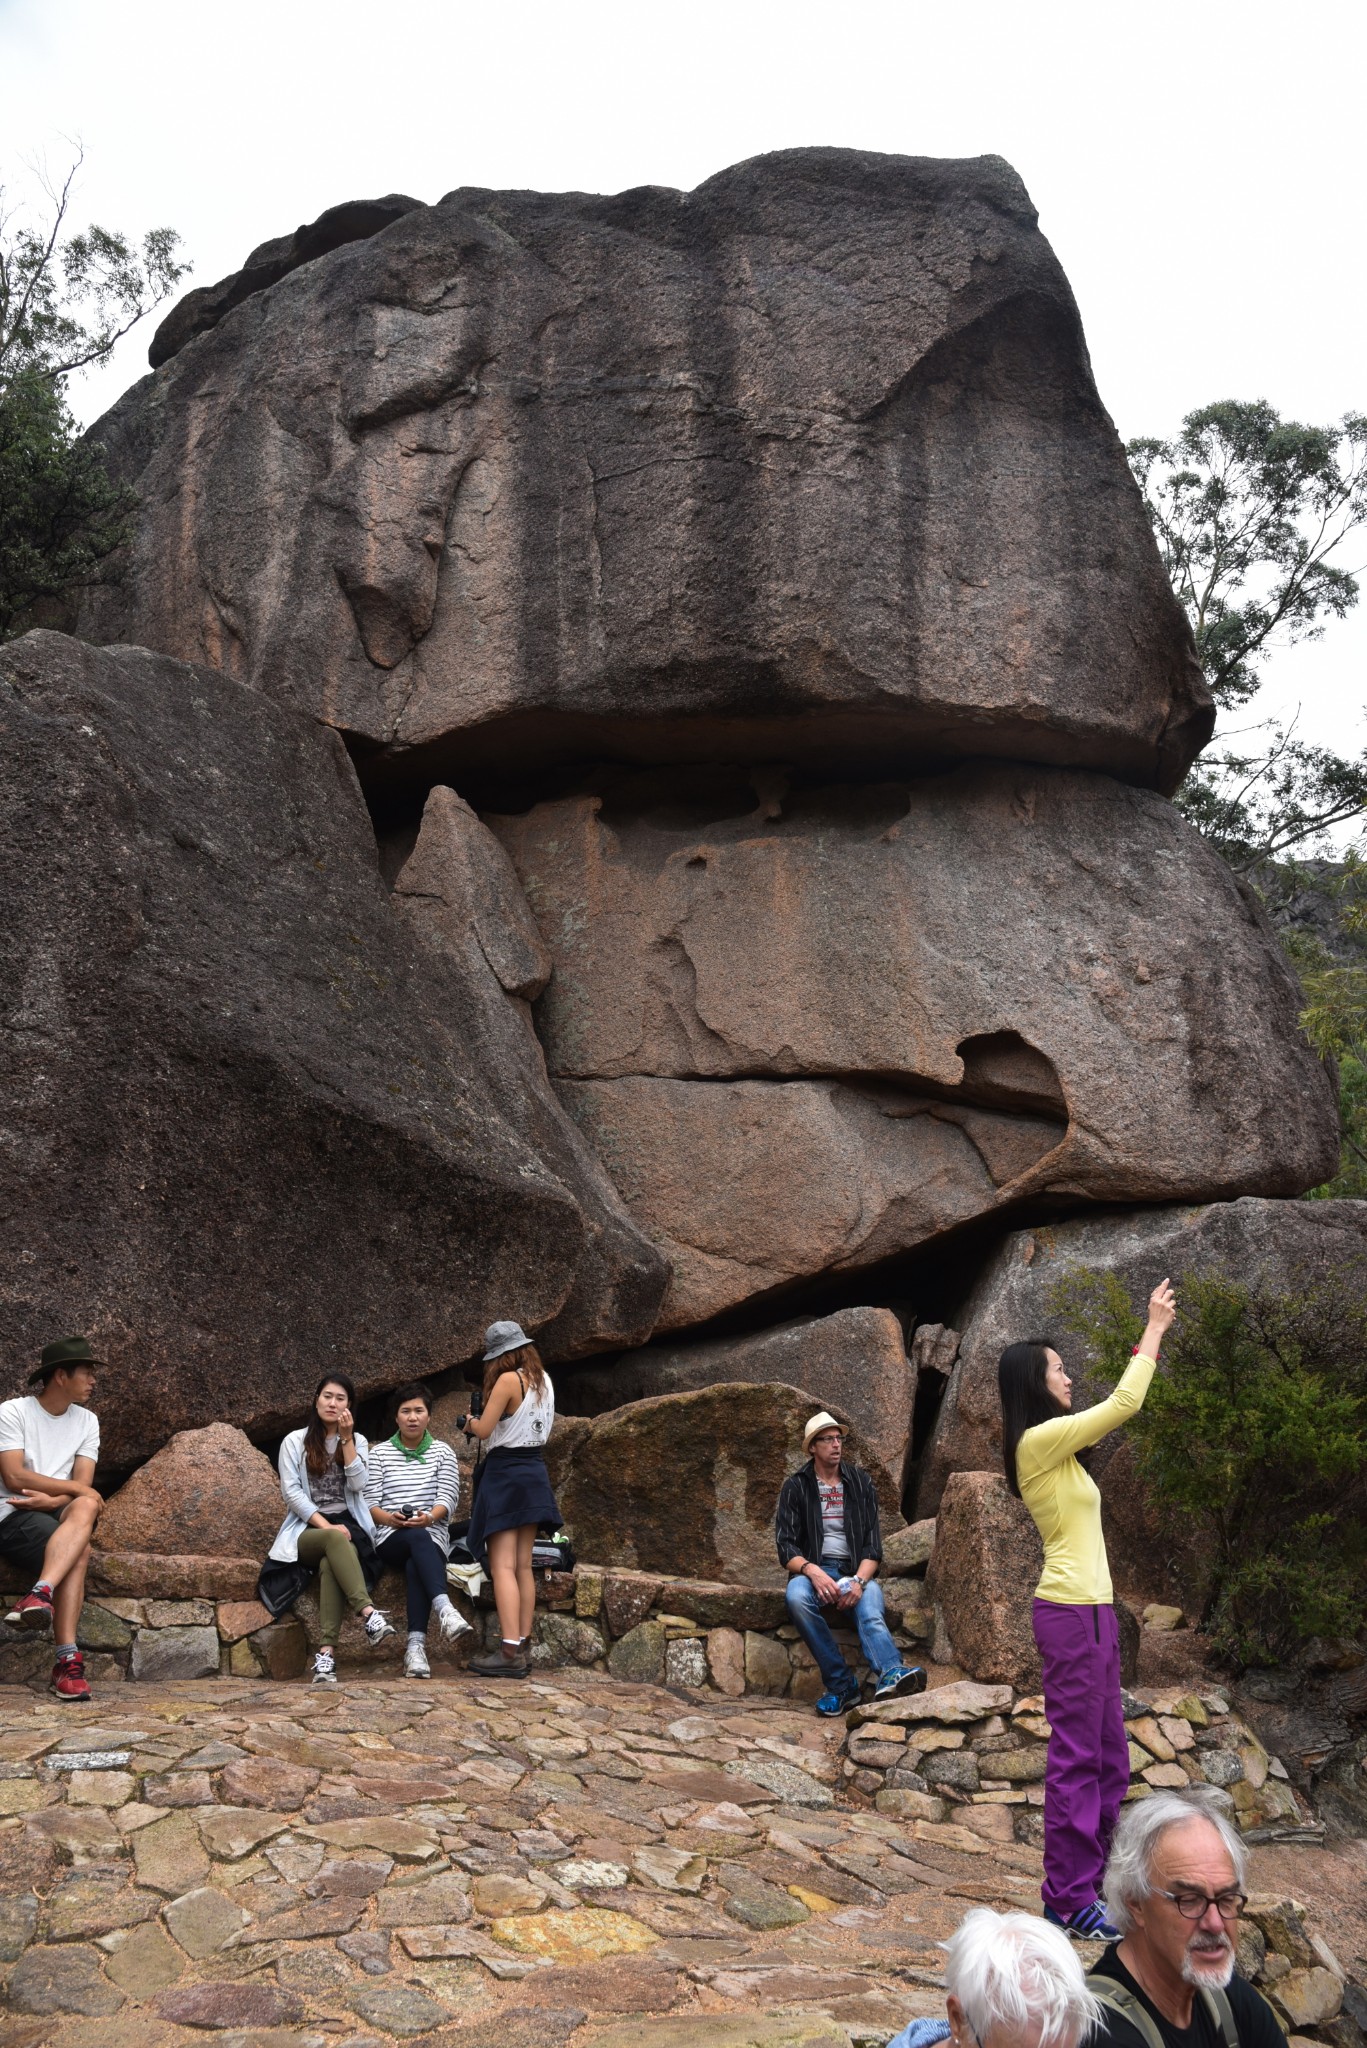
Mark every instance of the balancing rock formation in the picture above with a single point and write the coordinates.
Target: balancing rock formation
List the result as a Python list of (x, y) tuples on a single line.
[(748, 638)]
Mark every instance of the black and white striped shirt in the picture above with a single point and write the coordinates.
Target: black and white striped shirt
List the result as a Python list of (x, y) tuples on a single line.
[(397, 1482)]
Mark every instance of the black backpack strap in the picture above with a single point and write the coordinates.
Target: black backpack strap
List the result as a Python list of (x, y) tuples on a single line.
[(1119, 1999), (1222, 2013)]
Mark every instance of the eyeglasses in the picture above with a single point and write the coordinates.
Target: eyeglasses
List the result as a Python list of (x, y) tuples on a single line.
[(1195, 1905)]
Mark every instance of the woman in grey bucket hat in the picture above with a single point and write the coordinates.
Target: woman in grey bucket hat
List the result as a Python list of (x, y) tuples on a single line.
[(514, 1499)]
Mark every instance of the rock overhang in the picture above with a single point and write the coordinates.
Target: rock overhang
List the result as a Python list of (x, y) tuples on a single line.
[(806, 464)]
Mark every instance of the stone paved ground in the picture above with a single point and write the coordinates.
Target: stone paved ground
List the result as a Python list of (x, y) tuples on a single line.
[(516, 1866)]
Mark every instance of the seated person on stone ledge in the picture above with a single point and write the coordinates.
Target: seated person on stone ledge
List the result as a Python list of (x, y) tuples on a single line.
[(49, 1444), (413, 1492), (323, 1472), (830, 1544), (1011, 1981)]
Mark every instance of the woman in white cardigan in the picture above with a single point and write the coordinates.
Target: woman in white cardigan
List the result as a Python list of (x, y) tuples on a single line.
[(324, 1468)]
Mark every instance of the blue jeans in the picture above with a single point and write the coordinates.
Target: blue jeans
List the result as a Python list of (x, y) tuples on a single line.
[(880, 1651)]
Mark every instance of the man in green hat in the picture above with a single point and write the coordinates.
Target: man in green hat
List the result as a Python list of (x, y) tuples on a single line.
[(49, 1444)]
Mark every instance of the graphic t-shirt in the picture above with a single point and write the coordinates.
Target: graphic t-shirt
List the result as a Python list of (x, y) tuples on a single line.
[(51, 1444), (834, 1542), (327, 1489)]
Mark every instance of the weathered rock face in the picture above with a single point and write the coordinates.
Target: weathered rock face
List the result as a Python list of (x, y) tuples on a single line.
[(854, 1362), (982, 1575), (689, 1483), (805, 463), (208, 1492), (1278, 1245), (460, 896), (812, 1032), (249, 1129)]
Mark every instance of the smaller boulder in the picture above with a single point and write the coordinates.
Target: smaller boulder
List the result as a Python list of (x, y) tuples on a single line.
[(908, 1550), (983, 1572), (982, 1577), (689, 1483), (207, 1491)]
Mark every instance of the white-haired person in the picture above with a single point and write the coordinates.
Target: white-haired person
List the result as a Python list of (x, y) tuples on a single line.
[(1175, 1888), (1011, 1981)]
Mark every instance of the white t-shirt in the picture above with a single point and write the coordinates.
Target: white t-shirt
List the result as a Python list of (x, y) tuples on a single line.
[(51, 1444)]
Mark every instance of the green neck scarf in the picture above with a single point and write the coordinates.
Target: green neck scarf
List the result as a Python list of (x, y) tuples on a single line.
[(418, 1450)]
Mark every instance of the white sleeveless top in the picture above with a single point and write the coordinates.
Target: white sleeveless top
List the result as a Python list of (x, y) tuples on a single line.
[(528, 1425)]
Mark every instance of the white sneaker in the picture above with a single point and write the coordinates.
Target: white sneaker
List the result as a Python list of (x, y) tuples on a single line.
[(452, 1624), (377, 1626), (415, 1664), (324, 1668)]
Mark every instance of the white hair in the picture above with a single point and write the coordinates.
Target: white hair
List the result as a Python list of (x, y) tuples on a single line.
[(1012, 1971), (1129, 1868)]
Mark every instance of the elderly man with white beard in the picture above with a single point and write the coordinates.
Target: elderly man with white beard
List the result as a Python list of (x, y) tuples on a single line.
[(1175, 1889)]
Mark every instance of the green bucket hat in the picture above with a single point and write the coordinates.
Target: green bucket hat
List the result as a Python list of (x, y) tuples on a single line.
[(65, 1351)]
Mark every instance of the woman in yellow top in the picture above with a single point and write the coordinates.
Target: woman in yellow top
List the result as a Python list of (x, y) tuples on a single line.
[(1088, 1768)]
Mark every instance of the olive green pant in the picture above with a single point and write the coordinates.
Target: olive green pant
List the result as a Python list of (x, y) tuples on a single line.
[(339, 1576)]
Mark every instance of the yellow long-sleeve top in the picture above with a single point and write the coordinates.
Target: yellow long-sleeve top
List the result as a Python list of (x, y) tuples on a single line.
[(1065, 1501)]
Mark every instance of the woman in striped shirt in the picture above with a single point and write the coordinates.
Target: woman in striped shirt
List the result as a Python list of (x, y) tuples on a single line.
[(413, 1490)]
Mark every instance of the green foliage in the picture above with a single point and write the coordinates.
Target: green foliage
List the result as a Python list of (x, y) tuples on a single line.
[(1251, 513), (60, 516), (1334, 1019), (1255, 1433), (65, 300)]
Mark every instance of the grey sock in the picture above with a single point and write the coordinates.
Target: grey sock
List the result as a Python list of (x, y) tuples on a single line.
[(441, 1603), (64, 1650), (418, 1636)]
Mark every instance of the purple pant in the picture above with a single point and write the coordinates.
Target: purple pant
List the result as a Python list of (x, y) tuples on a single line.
[(1088, 1768)]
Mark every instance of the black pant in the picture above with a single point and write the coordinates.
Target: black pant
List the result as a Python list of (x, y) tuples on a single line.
[(424, 1562)]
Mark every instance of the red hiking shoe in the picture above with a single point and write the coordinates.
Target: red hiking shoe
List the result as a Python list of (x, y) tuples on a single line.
[(68, 1679), (33, 1611)]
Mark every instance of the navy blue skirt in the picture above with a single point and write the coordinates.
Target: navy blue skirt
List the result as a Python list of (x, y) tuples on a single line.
[(513, 1493)]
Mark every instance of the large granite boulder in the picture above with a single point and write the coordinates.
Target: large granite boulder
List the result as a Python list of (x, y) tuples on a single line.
[(688, 1483), (809, 1031), (208, 1492), (251, 1129), (1289, 1246), (807, 463), (854, 1362)]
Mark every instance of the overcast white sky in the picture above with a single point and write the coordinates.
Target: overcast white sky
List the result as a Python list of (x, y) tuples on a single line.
[(1197, 166)]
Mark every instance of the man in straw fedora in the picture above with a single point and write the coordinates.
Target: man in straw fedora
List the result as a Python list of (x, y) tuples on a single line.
[(830, 1544)]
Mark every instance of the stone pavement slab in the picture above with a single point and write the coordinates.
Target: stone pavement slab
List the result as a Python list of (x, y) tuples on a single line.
[(580, 1864)]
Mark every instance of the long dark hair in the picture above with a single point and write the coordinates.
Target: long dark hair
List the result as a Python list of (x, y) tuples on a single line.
[(315, 1436), (526, 1359), (1025, 1398)]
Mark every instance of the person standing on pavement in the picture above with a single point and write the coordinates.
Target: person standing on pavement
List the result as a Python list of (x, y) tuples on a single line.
[(831, 1546), (514, 1497), (49, 1446), (1087, 1772), (1175, 1889), (324, 1468), (413, 1491)]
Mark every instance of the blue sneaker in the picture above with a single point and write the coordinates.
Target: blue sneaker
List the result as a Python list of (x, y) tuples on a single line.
[(900, 1683), (832, 1703), (1089, 1923)]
